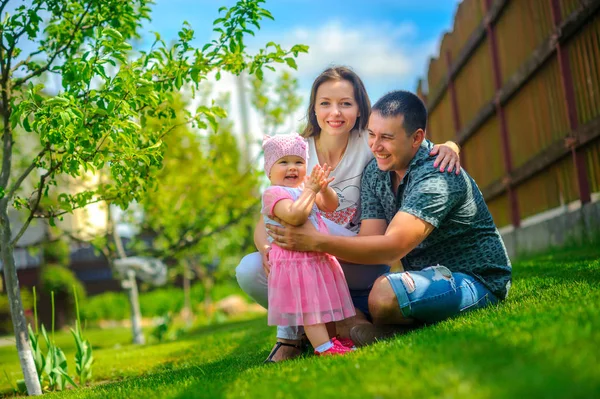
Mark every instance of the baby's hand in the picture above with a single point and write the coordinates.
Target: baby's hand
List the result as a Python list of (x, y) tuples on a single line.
[(325, 180), (313, 182)]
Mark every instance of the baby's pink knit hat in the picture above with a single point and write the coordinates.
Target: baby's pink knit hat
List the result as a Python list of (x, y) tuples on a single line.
[(282, 145)]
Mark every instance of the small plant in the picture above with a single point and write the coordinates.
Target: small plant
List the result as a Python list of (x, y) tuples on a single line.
[(83, 357), (55, 367), (19, 387), (52, 367), (161, 329), (34, 341)]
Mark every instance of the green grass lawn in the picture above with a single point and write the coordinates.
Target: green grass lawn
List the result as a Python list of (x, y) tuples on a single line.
[(544, 341)]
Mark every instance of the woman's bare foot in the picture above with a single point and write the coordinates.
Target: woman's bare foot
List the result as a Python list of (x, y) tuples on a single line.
[(284, 349)]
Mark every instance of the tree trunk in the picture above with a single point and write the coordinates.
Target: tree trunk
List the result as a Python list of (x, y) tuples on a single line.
[(130, 284), (208, 284), (16, 305), (187, 302)]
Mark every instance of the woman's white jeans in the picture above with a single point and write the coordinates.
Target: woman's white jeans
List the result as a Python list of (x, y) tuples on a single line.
[(253, 281)]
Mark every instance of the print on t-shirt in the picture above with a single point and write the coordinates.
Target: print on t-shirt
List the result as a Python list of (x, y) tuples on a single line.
[(348, 205)]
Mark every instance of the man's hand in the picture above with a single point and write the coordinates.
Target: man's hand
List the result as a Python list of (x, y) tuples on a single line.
[(447, 157), (301, 238)]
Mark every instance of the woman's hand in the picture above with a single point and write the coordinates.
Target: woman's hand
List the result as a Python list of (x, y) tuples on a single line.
[(265, 259), (294, 238), (447, 157)]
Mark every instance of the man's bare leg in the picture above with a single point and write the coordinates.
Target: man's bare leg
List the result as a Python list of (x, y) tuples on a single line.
[(331, 329), (383, 304), (387, 316), (343, 327)]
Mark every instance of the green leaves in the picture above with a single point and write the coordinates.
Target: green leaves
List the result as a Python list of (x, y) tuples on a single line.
[(52, 367), (99, 136), (236, 22), (38, 356), (83, 355), (203, 187), (112, 33), (275, 102), (291, 62)]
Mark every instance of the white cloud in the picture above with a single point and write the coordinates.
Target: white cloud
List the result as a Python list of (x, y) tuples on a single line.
[(374, 53), (386, 57)]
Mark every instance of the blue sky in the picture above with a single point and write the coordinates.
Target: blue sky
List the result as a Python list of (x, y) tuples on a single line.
[(387, 42)]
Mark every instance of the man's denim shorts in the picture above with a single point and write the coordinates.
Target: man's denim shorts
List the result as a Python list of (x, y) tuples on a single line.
[(435, 293)]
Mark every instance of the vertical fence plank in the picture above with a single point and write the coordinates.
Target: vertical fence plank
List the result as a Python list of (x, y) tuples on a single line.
[(453, 99), (524, 83), (512, 197), (567, 83), (439, 126)]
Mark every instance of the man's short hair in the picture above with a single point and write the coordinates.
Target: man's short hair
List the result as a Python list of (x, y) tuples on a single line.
[(405, 103)]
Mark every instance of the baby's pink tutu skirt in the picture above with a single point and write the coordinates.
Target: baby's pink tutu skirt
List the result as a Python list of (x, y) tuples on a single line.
[(306, 288)]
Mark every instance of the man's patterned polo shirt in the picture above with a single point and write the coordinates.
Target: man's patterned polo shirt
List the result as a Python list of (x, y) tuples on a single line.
[(465, 238)]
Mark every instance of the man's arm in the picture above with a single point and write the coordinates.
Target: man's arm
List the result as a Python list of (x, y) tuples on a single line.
[(372, 227), (404, 233), (369, 227)]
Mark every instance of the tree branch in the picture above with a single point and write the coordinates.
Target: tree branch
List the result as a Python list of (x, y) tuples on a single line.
[(57, 214), (2, 5), (43, 69), (105, 251), (33, 208), (25, 61), (184, 244), (33, 215), (6, 136), (26, 173)]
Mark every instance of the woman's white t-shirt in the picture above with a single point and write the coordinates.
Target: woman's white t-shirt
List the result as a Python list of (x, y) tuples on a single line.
[(348, 174)]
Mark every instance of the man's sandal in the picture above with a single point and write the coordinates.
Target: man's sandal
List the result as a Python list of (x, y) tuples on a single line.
[(278, 345)]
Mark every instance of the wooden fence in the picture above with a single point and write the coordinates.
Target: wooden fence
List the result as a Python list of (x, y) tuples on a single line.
[(517, 85)]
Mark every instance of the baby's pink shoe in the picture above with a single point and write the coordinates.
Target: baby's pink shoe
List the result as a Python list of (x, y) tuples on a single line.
[(336, 349), (347, 342)]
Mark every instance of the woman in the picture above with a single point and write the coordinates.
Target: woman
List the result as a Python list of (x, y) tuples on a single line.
[(336, 131)]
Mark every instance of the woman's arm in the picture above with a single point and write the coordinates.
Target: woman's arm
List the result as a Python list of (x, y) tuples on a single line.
[(260, 236), (262, 244), (448, 156), (327, 200)]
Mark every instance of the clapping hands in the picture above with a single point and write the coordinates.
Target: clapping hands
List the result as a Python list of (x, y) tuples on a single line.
[(319, 179)]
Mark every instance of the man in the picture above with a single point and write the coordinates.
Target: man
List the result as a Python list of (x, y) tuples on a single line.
[(437, 223)]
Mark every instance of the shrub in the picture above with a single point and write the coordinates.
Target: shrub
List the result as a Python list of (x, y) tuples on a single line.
[(161, 301), (155, 303), (5, 319), (106, 306), (62, 282), (56, 252)]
